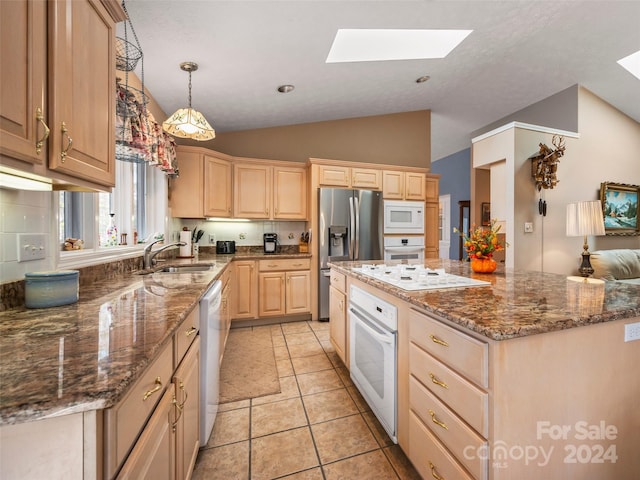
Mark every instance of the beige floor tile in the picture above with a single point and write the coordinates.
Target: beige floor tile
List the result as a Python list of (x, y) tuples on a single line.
[(277, 416), (313, 363), (284, 367), (372, 465), (379, 432), (223, 463), (282, 454), (225, 407), (319, 326), (295, 327), (342, 438), (288, 389), (317, 382), (327, 346), (401, 463), (306, 349), (297, 338), (329, 405), (335, 359), (280, 352), (276, 329), (357, 397), (230, 427), (278, 341), (313, 474)]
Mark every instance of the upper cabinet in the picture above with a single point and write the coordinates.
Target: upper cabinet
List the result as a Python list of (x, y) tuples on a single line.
[(57, 107), (269, 192), (212, 184), (399, 185), (350, 177), (203, 188)]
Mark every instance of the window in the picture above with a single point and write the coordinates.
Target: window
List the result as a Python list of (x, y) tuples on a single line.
[(138, 203)]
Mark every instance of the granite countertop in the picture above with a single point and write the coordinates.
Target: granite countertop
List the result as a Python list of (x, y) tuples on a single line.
[(84, 356), (517, 303)]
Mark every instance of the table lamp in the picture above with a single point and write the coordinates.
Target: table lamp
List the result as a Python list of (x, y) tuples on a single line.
[(583, 219)]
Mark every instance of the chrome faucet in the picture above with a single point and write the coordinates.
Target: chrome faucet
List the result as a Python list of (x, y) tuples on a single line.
[(149, 257)]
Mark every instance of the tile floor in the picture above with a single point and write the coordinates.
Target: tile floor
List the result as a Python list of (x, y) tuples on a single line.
[(318, 427)]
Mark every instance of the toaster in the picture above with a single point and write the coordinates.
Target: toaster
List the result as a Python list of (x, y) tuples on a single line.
[(225, 246)]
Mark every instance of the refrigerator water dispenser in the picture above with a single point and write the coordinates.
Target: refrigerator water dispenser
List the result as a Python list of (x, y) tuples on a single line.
[(337, 241)]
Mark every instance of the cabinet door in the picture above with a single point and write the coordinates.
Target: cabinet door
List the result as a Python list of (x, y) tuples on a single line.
[(186, 191), (225, 320), (82, 91), (251, 191), (431, 189), (431, 240), (414, 186), (245, 290), (298, 292), (290, 193), (338, 322), (23, 98), (217, 187), (366, 178), (334, 176), (393, 185), (272, 294), (187, 392), (155, 451)]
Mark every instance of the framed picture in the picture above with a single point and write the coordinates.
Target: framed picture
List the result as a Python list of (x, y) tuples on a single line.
[(620, 208), (485, 214)]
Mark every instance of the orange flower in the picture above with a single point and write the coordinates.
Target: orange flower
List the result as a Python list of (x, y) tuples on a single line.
[(482, 241)]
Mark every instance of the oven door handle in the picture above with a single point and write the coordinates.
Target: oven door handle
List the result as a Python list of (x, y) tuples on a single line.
[(404, 249), (371, 329)]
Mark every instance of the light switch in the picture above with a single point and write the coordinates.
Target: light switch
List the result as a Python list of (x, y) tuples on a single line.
[(31, 246), (528, 227)]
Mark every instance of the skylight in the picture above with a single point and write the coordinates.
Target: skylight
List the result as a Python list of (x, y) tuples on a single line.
[(632, 64), (371, 45)]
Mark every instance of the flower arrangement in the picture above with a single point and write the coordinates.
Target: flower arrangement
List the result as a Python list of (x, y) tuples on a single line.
[(482, 241)]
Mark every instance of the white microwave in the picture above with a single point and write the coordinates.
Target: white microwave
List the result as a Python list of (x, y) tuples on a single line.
[(403, 217)]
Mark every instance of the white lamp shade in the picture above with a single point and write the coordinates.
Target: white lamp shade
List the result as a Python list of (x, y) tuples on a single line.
[(585, 218), (189, 123)]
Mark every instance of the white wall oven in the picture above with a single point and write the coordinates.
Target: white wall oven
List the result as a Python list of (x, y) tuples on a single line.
[(404, 248), (403, 217), (373, 327)]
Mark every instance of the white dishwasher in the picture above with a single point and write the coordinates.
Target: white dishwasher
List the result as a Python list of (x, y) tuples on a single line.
[(210, 330)]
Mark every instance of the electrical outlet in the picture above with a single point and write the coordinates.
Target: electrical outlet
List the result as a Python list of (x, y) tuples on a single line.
[(632, 332), (528, 227), (31, 246), (212, 238)]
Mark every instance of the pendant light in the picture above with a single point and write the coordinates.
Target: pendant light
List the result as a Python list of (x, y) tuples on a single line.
[(187, 122)]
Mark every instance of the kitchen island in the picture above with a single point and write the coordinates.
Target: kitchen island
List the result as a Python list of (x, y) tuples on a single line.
[(521, 378)]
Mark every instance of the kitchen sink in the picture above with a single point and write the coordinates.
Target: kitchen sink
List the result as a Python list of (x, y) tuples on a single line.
[(202, 267)]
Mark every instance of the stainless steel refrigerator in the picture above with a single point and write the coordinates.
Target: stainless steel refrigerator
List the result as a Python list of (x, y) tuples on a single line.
[(349, 228)]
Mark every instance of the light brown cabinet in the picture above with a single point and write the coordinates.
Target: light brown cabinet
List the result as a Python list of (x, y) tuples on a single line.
[(284, 287), (245, 290), (350, 177), (225, 311), (399, 185), (58, 115), (262, 191), (186, 382), (338, 326), (203, 188)]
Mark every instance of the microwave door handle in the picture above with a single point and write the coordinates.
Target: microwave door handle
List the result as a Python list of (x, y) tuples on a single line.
[(404, 249), (351, 229), (357, 209)]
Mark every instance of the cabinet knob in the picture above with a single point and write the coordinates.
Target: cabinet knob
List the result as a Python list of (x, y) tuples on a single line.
[(191, 331)]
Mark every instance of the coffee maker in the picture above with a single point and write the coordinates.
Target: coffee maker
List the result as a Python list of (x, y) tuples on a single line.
[(270, 242)]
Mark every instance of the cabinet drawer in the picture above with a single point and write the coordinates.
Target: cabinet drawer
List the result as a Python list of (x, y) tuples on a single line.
[(428, 455), (449, 429), (284, 264), (465, 354), (124, 421), (338, 280), (185, 334), (467, 400)]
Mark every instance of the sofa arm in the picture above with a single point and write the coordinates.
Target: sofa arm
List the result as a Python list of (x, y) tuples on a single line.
[(616, 264)]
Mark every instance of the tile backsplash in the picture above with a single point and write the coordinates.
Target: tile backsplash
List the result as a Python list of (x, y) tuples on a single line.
[(246, 233)]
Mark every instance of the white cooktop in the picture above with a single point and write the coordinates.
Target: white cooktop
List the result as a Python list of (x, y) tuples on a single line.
[(417, 277)]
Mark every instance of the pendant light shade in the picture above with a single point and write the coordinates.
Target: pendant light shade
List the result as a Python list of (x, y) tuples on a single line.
[(188, 122)]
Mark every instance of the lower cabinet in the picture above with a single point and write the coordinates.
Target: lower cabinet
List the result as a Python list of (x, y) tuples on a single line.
[(245, 290), (153, 432), (338, 327), (284, 287), (225, 312)]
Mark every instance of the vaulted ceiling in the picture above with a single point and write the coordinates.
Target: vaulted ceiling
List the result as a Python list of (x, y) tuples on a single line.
[(519, 52)]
